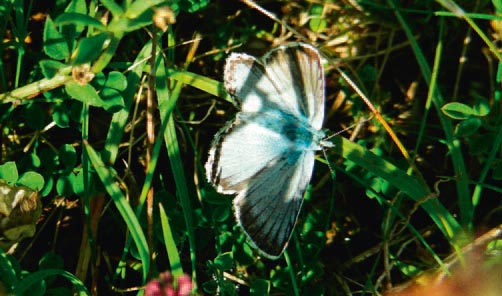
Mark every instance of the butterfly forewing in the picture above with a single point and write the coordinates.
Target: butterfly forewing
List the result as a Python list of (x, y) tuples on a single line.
[(266, 155), (246, 79), (242, 150), (298, 75), (288, 78)]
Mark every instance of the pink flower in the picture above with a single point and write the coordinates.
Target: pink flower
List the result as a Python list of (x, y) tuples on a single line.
[(163, 286)]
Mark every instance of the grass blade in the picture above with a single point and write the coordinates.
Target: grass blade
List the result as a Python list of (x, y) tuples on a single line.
[(399, 179), (172, 250), (123, 207), (454, 145)]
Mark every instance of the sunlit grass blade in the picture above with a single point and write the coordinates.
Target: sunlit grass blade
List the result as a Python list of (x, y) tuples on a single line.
[(397, 213), (459, 12), (203, 83), (167, 98), (403, 182), (292, 274), (454, 145), (476, 195), (172, 250), (430, 93), (123, 207)]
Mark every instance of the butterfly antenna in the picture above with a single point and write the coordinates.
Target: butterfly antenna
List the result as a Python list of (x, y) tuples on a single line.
[(272, 16), (330, 167), (360, 123)]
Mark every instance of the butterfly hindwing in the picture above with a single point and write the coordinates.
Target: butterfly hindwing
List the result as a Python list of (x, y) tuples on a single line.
[(254, 158), (268, 209)]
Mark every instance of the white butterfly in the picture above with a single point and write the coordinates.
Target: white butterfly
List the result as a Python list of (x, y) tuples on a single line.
[(266, 154)]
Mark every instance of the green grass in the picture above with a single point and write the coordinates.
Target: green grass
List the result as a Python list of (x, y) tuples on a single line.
[(413, 185)]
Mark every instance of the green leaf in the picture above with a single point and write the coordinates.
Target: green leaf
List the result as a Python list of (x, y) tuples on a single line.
[(73, 183), (76, 6), (467, 127), (76, 179), (55, 45), (112, 86), (31, 280), (457, 110), (84, 93), (61, 115), (70, 31), (32, 180), (112, 100), (8, 265), (49, 184), (99, 80), (38, 288), (224, 261), (67, 156), (192, 5), (225, 238), (481, 107), (116, 80), (116, 130), (139, 7), (34, 116), (243, 252), (8, 172), (79, 19), (260, 287), (76, 111), (143, 20), (30, 161), (479, 144), (279, 275), (113, 7), (51, 260), (498, 6), (89, 49), (55, 95), (209, 195), (63, 185), (50, 68), (317, 22), (48, 159), (210, 287), (409, 270), (368, 74), (221, 213)]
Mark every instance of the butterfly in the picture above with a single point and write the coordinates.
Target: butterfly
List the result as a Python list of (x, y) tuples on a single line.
[(266, 154)]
